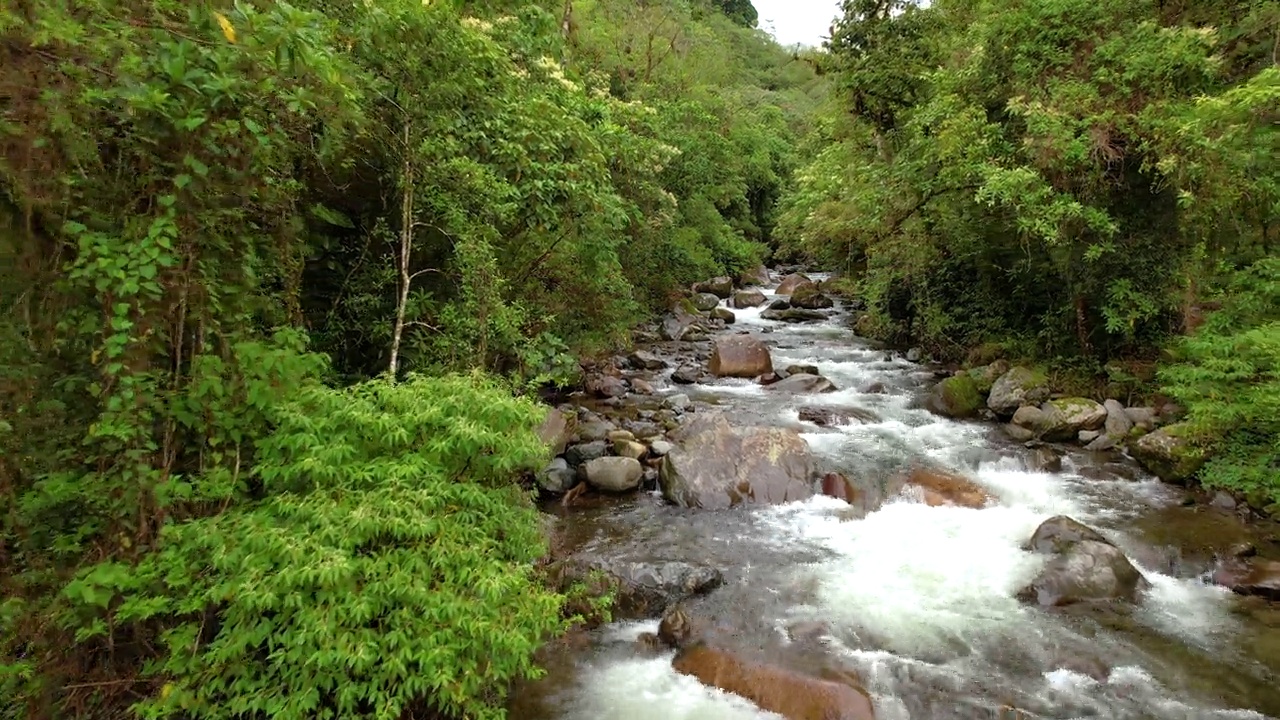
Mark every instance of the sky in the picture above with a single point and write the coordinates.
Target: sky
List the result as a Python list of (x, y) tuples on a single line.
[(797, 21)]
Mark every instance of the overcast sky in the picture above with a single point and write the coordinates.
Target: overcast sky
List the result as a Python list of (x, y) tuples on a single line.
[(797, 21)]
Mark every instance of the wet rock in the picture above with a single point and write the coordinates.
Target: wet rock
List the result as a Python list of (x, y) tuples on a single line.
[(1242, 550), (757, 276), (719, 466), (1064, 419), (844, 415), (644, 428), (956, 397), (1118, 423), (808, 297), (840, 487), (1169, 453), (721, 287), (1084, 567), (723, 314), (641, 386), (1020, 386), (768, 378), (557, 429), (644, 589), (607, 386), (914, 355), (649, 480), (1087, 436), (779, 304), (1250, 577), (629, 449), (687, 374), (1143, 417), (557, 477), (1100, 443), (800, 370), (875, 387), (586, 452), (791, 282), (774, 689), (1045, 459), (943, 488), (660, 447), (705, 301), (804, 384), (1017, 433), (614, 474), (748, 299), (645, 360), (677, 402), (741, 356), (793, 315)]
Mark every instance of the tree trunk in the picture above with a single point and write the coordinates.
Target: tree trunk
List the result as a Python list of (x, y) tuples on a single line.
[(406, 249)]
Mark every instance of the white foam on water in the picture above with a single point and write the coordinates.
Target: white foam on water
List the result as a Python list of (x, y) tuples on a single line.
[(1187, 609), (648, 688)]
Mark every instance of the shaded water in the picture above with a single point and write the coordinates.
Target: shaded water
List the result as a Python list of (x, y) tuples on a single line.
[(918, 600)]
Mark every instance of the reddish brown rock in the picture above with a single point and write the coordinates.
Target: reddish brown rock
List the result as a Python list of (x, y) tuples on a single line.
[(840, 487), (741, 356), (943, 488), (791, 282), (1251, 577)]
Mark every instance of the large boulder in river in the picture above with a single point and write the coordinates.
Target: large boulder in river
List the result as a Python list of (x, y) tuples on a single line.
[(1064, 419), (644, 589), (1250, 577), (1020, 386), (791, 282), (774, 689), (614, 474), (1083, 567), (721, 287), (793, 315), (804, 384), (705, 301), (1169, 453), (719, 466), (742, 356), (748, 299), (809, 298), (836, 415), (756, 276), (956, 396), (944, 488)]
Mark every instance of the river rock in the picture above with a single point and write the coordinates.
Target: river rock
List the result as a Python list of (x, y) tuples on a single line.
[(1118, 423), (1029, 417), (1100, 443), (793, 315), (615, 474), (1017, 433), (808, 297), (557, 477), (556, 430), (1084, 567), (839, 486), (687, 374), (645, 360), (1020, 386), (593, 428), (721, 287), (1045, 459), (658, 448), (640, 386), (719, 466), (1169, 453), (1087, 436), (723, 314), (741, 356), (1143, 417), (944, 488), (1064, 419), (985, 376), (774, 689), (644, 589), (842, 415), (804, 384), (791, 282), (800, 370), (677, 402), (956, 396), (756, 276), (629, 449), (616, 435), (586, 452), (606, 386), (705, 301), (748, 299), (1253, 576)]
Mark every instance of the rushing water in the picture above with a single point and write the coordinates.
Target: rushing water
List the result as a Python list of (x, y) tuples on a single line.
[(919, 600)]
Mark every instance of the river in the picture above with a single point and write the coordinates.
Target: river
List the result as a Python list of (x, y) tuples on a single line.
[(919, 601)]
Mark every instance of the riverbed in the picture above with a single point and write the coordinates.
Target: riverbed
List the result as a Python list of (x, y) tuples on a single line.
[(919, 601)]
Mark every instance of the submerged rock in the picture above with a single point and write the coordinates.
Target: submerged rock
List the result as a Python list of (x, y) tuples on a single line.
[(1084, 567), (944, 488), (719, 466)]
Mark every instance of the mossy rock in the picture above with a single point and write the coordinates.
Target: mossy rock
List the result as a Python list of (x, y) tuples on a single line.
[(986, 375), (1170, 453), (1020, 386), (957, 396)]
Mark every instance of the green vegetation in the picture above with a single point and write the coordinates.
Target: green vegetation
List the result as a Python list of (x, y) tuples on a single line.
[(279, 282), (1076, 182)]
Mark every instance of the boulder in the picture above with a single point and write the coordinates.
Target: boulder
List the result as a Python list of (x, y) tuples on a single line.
[(808, 296), (705, 301), (723, 314), (804, 384), (1143, 417), (593, 428), (840, 487), (641, 386), (741, 356), (677, 402), (1118, 423), (748, 299), (1087, 436), (1252, 576), (1017, 433), (779, 304), (1030, 418), (719, 466), (1020, 386), (629, 449), (721, 287), (606, 386), (844, 415), (616, 435), (681, 329), (658, 448), (756, 276), (957, 397), (985, 376), (914, 355), (557, 477), (615, 474), (556, 430), (645, 360), (1083, 567), (800, 370), (1169, 453), (791, 282), (686, 374), (1045, 459), (644, 589), (944, 488), (586, 452), (774, 689), (1064, 419), (793, 315)]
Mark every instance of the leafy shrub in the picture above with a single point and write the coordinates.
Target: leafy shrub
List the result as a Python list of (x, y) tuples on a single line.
[(388, 568)]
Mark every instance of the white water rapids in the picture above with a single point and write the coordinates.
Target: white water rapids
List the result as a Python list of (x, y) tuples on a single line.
[(920, 601)]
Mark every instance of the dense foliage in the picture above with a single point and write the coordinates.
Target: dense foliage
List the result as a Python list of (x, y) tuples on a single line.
[(239, 239), (1070, 180)]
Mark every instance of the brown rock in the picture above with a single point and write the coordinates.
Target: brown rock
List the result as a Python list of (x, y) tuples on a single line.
[(641, 386), (748, 299), (840, 487), (943, 488), (1251, 577), (774, 689), (740, 356), (827, 416), (791, 282), (720, 466)]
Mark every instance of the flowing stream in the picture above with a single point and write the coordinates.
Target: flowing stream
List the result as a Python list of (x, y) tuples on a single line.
[(919, 601)]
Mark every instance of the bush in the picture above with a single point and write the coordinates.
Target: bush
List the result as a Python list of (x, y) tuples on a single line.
[(388, 567)]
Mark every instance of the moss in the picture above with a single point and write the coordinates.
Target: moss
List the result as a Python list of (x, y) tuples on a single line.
[(960, 396)]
